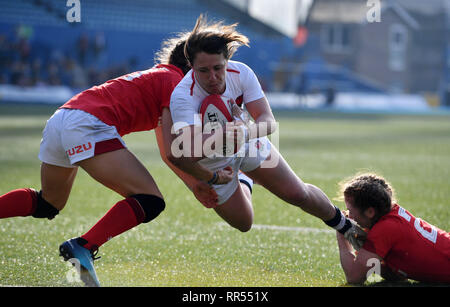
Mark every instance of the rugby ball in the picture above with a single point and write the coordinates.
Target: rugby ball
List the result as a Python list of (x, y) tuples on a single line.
[(215, 111)]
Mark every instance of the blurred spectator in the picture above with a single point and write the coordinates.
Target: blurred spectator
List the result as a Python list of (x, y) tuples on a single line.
[(83, 48), (21, 74), (24, 49), (5, 50), (94, 76), (36, 72), (24, 32), (53, 74), (77, 76), (23, 63), (23, 36), (330, 96), (99, 56), (99, 44)]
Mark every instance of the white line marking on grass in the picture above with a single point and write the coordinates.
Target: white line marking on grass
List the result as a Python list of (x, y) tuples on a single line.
[(286, 228)]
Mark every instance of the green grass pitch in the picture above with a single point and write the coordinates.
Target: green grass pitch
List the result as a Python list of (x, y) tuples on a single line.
[(189, 245)]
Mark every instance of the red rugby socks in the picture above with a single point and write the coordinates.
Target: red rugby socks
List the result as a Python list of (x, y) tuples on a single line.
[(20, 202), (123, 216)]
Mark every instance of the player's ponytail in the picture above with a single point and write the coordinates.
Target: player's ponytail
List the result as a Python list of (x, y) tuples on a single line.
[(213, 38), (172, 52)]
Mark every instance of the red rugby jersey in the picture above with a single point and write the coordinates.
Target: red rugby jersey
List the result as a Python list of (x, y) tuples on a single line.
[(132, 102), (411, 246)]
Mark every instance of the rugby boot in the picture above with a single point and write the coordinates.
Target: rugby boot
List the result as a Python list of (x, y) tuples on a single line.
[(82, 258)]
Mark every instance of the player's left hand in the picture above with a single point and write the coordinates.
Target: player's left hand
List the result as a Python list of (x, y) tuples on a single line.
[(238, 114), (237, 134), (355, 235), (205, 194)]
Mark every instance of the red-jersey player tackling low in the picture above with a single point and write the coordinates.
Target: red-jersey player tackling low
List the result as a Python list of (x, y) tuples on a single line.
[(133, 102), (87, 132), (408, 247)]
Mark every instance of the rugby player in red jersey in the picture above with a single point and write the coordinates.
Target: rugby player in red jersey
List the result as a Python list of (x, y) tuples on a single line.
[(400, 245), (87, 132)]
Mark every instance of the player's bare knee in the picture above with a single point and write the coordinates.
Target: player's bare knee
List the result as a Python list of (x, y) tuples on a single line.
[(244, 227)]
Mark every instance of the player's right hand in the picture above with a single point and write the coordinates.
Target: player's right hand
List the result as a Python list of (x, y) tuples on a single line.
[(205, 194), (225, 175), (355, 235)]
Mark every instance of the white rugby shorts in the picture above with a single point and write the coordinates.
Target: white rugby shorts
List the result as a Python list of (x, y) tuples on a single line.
[(257, 151), (72, 135)]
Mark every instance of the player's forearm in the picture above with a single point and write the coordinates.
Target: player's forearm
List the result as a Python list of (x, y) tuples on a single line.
[(188, 180), (347, 262), (196, 144), (192, 168), (264, 121), (163, 143), (347, 259), (346, 256), (265, 125)]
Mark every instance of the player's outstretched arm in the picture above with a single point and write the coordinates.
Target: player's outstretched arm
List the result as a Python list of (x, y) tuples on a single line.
[(188, 180), (261, 113), (204, 193), (188, 163), (356, 267)]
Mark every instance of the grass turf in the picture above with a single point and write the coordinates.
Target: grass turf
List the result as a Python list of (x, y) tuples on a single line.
[(189, 245)]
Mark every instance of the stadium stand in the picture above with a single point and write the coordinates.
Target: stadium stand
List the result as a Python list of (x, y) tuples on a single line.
[(39, 46)]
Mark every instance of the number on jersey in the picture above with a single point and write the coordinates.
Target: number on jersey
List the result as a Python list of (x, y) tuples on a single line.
[(429, 235)]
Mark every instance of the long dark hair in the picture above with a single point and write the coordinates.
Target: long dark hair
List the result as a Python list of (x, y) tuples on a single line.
[(172, 52), (213, 38)]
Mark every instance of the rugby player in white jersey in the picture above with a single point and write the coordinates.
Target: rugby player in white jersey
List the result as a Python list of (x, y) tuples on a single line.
[(209, 49)]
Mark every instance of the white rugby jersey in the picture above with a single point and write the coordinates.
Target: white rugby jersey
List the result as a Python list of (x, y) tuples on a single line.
[(241, 84)]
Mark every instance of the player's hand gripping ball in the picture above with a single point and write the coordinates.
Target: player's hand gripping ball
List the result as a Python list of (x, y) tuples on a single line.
[(216, 112)]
